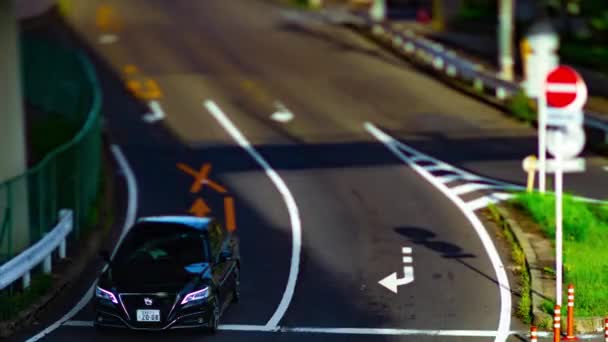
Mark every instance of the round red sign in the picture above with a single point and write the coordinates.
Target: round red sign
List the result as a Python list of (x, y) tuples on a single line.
[(565, 89)]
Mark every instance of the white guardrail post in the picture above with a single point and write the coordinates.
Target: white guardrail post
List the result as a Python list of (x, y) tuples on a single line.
[(41, 252)]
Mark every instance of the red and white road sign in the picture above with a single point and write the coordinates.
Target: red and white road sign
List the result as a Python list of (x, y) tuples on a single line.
[(565, 89)]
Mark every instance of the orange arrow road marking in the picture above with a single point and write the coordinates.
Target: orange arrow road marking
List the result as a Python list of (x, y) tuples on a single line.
[(200, 208), (229, 212)]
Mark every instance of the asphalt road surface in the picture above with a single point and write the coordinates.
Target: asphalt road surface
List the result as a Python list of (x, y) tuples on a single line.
[(325, 209)]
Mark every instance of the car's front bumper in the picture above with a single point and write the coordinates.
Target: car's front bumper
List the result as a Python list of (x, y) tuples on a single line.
[(198, 319)]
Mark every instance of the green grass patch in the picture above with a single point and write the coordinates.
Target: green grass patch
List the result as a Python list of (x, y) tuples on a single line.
[(12, 304), (522, 107), (585, 240)]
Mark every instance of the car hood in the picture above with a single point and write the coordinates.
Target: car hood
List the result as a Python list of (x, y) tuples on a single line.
[(151, 278)]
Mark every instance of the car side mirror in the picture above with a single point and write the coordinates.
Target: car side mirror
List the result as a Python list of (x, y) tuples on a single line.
[(105, 256)]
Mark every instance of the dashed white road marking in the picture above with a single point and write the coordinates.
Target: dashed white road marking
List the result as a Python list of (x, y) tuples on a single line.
[(129, 221), (157, 113), (405, 154), (290, 202), (108, 38), (282, 115)]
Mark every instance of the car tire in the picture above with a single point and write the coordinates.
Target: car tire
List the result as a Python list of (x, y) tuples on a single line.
[(215, 318), (236, 294)]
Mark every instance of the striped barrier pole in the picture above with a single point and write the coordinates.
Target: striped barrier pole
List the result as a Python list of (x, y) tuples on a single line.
[(606, 330), (570, 328), (533, 334), (557, 317)]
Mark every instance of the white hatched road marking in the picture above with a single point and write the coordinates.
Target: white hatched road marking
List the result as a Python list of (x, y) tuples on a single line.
[(404, 153), (485, 201)]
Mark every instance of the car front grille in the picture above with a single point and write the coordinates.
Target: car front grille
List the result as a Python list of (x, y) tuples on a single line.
[(137, 301)]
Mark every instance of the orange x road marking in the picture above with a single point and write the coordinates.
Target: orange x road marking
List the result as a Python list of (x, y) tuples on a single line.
[(201, 178)]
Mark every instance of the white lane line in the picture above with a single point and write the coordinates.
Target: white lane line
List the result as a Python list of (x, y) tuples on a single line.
[(129, 221), (395, 146), (388, 331), (294, 215), (355, 331), (157, 112), (485, 201)]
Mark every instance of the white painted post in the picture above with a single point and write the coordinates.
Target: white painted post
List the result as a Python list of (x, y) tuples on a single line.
[(558, 229), (378, 10), (26, 280), (505, 38), (542, 142), (62, 248), (62, 245), (47, 264), (544, 43)]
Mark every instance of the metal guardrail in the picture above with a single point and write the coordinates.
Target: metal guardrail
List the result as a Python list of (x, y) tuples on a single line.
[(61, 82), (41, 252), (447, 61)]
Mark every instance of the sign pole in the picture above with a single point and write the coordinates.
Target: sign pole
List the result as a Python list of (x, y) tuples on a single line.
[(542, 142), (558, 228)]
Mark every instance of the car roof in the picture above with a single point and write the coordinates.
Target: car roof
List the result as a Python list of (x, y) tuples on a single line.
[(197, 223)]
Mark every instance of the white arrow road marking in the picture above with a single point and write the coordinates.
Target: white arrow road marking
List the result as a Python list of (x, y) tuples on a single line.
[(392, 282), (282, 114), (108, 39), (157, 112)]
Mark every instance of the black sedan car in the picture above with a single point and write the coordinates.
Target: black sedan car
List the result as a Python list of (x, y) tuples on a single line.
[(169, 272)]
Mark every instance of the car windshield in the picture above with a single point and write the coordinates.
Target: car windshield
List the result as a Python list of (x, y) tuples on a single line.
[(161, 244)]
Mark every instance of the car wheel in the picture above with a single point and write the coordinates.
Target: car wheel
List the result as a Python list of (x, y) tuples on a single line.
[(215, 318), (236, 295)]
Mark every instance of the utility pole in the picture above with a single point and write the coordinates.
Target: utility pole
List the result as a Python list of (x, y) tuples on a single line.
[(505, 38), (12, 129)]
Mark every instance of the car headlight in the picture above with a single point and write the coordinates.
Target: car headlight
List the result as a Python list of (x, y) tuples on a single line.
[(105, 294), (196, 295)]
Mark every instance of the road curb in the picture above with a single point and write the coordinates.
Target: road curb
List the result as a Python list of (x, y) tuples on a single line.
[(542, 285), (80, 258), (537, 280)]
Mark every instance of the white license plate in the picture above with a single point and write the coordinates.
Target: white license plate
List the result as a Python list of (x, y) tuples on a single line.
[(148, 315)]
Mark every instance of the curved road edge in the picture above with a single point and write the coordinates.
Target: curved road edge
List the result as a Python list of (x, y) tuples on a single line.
[(394, 146), (290, 202), (129, 221)]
